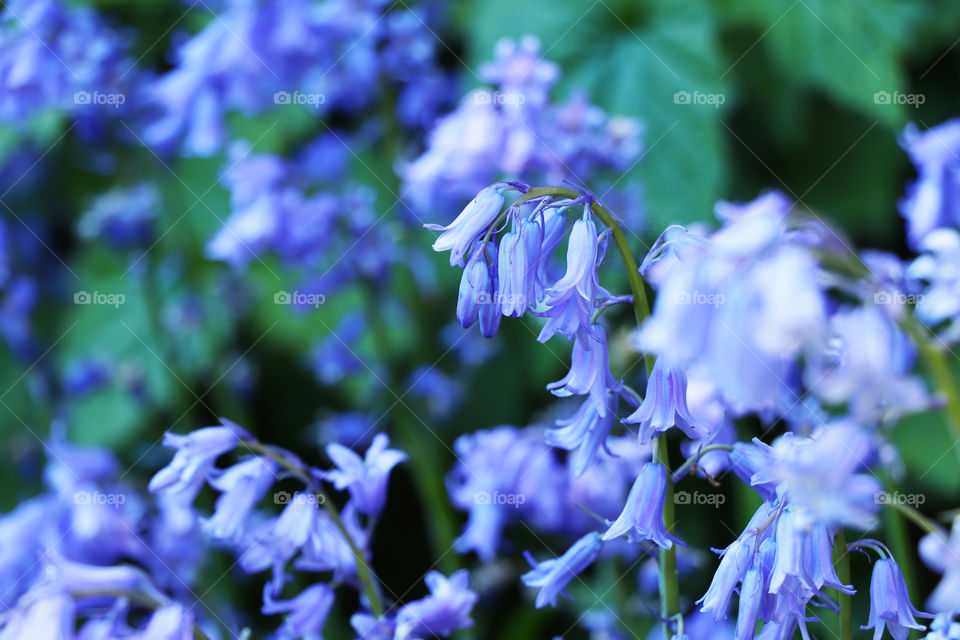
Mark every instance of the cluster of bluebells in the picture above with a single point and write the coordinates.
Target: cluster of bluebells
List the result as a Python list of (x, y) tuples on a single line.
[(310, 535), (332, 56), (772, 316), (516, 129)]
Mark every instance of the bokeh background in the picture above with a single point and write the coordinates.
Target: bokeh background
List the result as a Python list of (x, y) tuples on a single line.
[(805, 96)]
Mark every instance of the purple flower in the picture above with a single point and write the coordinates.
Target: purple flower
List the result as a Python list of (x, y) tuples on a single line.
[(306, 613), (552, 576), (471, 224), (570, 301), (937, 271), (519, 257), (589, 370), (279, 539), (445, 610), (51, 616), (664, 405), (196, 454), (642, 516), (942, 554), (241, 487), (123, 217), (370, 628), (172, 622), (931, 201), (584, 432), (477, 299), (890, 605), (365, 478)]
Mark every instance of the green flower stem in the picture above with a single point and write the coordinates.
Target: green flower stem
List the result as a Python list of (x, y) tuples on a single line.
[(916, 517), (841, 559), (692, 460), (669, 589), (363, 569), (939, 370)]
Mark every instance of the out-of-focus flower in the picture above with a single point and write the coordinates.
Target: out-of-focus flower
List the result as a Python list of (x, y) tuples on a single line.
[(306, 613), (942, 554), (123, 216), (445, 610), (241, 487), (365, 478), (552, 576), (196, 454), (931, 201)]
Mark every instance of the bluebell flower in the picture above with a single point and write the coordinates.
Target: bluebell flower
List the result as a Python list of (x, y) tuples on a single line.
[(196, 454), (502, 475), (642, 516), (664, 405), (334, 357), (869, 366), (327, 549), (519, 256), (552, 576), (368, 627), (365, 478), (442, 393), (306, 613), (820, 476), (751, 600), (51, 615), (444, 611), (589, 372), (280, 538), (570, 302), (123, 217), (931, 201), (584, 433), (936, 273), (945, 626), (86, 375), (471, 224), (890, 606), (173, 621), (477, 298), (241, 487), (942, 554)]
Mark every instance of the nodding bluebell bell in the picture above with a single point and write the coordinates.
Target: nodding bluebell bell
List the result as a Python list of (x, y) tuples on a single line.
[(571, 301), (196, 454), (307, 612), (941, 552), (589, 372), (365, 478), (519, 257), (890, 606), (664, 405), (584, 432), (642, 516), (472, 223), (444, 611), (477, 299), (552, 576), (241, 487), (931, 201)]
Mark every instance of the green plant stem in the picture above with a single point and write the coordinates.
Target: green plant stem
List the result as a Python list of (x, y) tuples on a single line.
[(841, 559), (895, 527), (916, 518), (669, 589), (363, 569), (692, 460), (939, 370)]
